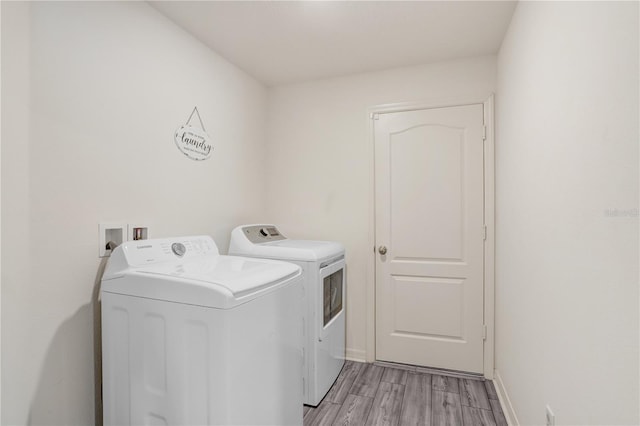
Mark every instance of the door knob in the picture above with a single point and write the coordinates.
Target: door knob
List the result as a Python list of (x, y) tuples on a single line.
[(382, 250)]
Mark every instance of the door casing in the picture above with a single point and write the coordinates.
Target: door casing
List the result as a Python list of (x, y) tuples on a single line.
[(489, 214)]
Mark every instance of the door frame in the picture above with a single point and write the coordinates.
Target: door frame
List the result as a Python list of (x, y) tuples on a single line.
[(489, 215)]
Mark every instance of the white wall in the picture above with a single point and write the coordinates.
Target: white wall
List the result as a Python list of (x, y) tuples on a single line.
[(320, 160), (92, 93), (567, 269)]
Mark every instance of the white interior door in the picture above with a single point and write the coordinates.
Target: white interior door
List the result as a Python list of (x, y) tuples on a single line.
[(429, 217)]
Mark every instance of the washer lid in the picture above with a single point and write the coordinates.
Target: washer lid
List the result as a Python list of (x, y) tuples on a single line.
[(221, 282), (189, 270), (239, 275)]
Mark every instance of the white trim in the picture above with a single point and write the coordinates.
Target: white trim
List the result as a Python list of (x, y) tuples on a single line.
[(357, 355), (489, 216), (370, 288), (489, 243), (505, 402), (437, 103)]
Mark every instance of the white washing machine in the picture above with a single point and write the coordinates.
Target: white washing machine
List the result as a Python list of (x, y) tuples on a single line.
[(324, 275), (190, 337)]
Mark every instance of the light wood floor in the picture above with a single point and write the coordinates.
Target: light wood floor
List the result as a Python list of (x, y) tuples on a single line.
[(371, 394)]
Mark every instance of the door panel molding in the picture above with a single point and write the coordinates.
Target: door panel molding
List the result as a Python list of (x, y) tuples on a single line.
[(413, 264)]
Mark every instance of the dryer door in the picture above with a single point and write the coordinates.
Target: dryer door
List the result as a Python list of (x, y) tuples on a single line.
[(332, 291)]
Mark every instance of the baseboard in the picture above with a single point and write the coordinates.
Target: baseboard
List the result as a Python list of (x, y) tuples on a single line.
[(505, 402), (356, 355)]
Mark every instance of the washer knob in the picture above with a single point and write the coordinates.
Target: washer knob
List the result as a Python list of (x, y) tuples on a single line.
[(178, 249)]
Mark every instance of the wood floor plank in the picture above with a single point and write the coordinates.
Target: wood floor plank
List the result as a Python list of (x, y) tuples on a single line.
[(394, 375), (354, 411), (323, 415), (445, 383), (472, 416), (416, 404), (340, 389), (375, 394), (387, 405), (473, 393), (491, 389), (446, 410), (366, 384), (308, 413), (498, 415), (308, 416)]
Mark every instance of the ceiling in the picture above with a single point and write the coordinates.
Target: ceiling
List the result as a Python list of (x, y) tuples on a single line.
[(281, 42)]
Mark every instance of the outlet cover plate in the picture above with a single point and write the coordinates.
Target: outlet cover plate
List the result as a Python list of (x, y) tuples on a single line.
[(110, 231)]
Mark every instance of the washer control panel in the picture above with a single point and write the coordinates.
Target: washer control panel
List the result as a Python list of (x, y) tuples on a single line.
[(262, 233), (144, 252)]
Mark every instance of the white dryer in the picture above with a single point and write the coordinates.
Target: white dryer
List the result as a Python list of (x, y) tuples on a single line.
[(324, 278), (190, 337)]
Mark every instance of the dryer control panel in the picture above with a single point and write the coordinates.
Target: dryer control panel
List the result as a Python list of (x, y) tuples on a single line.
[(262, 233)]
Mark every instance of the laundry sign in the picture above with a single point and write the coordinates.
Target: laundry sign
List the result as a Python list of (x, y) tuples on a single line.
[(192, 141)]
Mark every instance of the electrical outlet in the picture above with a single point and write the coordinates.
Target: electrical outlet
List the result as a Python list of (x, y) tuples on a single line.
[(551, 418)]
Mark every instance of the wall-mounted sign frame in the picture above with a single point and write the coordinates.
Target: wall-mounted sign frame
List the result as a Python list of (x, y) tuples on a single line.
[(194, 142)]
